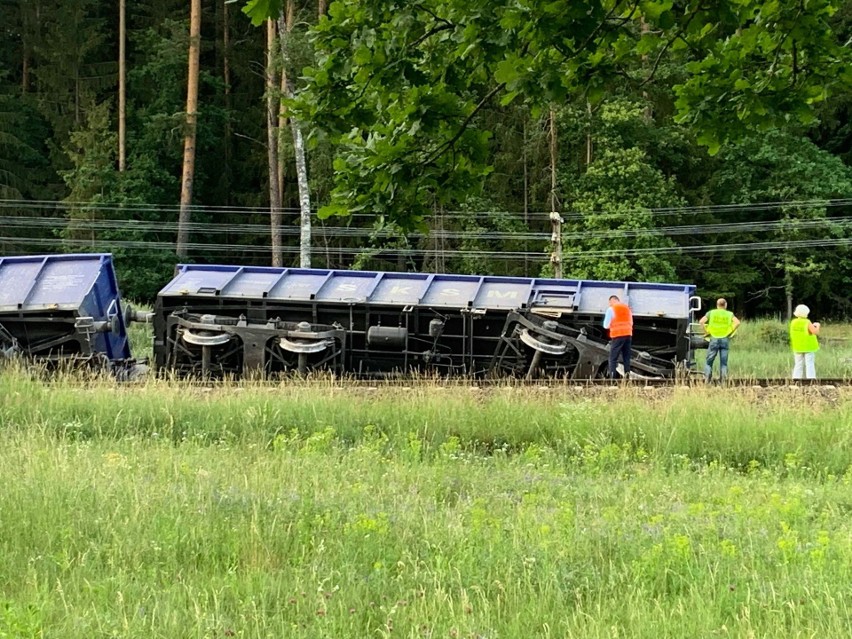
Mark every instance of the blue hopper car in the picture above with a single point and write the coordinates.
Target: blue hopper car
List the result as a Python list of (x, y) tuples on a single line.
[(63, 308), (217, 320)]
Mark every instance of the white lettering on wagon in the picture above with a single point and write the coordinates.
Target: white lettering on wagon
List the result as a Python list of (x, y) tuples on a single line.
[(509, 294)]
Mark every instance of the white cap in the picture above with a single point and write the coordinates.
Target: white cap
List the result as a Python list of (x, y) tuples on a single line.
[(801, 311)]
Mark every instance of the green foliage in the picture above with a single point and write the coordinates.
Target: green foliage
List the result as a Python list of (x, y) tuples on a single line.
[(25, 170), (773, 333), (398, 86), (768, 61), (779, 166), (261, 10), (423, 110), (71, 68), (614, 196)]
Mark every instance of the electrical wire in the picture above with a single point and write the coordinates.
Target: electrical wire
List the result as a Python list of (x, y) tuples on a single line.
[(201, 248), (78, 225), (713, 209)]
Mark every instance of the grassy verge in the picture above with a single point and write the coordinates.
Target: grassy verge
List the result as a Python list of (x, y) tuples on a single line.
[(733, 427), (159, 510)]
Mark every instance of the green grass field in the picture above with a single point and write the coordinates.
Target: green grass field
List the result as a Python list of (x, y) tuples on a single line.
[(307, 510)]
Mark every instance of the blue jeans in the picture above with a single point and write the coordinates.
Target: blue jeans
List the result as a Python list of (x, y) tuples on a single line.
[(620, 346), (718, 346)]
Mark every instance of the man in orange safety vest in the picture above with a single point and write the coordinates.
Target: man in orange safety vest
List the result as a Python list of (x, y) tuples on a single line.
[(619, 320)]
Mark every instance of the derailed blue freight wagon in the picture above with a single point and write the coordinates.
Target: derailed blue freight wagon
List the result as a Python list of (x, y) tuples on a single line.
[(63, 308), (232, 320)]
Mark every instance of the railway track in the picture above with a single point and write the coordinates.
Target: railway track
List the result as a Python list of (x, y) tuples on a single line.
[(573, 383), (404, 383)]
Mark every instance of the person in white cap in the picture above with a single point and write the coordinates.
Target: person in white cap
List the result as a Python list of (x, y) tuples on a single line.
[(804, 342)]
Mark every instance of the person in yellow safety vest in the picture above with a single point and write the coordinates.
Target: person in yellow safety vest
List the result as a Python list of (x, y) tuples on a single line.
[(618, 320), (719, 325), (804, 342)]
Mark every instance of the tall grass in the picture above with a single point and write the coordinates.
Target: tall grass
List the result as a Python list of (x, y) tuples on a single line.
[(314, 537), (732, 427), (160, 510)]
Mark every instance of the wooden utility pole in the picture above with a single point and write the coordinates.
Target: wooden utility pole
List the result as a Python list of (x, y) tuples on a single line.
[(273, 106), (555, 218), (122, 84), (191, 128)]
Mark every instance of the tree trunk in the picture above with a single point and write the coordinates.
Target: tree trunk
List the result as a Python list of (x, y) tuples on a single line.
[(191, 126), (323, 7), (283, 123), (226, 78), (648, 112), (122, 85), (285, 25), (272, 110), (25, 73), (589, 135), (555, 218), (526, 197)]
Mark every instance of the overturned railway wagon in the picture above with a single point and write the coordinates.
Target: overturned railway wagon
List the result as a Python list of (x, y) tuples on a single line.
[(230, 320), (62, 308)]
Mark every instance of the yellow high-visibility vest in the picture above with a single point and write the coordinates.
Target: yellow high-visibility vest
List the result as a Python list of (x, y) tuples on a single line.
[(801, 341), (720, 323)]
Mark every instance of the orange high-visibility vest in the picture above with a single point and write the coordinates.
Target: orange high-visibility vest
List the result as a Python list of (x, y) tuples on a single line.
[(622, 321)]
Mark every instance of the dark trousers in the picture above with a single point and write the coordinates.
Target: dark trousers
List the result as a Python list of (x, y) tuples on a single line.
[(622, 346)]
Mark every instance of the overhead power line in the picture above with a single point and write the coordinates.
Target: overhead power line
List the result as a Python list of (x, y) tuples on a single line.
[(568, 214), (502, 255), (81, 225)]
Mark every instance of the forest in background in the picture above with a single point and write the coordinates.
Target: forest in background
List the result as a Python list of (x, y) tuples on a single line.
[(764, 221)]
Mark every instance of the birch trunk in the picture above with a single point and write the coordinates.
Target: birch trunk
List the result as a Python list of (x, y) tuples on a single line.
[(272, 144), (285, 25), (191, 126)]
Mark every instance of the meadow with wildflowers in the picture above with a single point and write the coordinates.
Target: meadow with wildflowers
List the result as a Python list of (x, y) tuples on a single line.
[(313, 510)]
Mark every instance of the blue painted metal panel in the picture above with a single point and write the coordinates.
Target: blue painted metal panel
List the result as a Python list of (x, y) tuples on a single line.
[(348, 286), (401, 289), (644, 299), (441, 291), (505, 293), (80, 285), (200, 280), (16, 280), (250, 282), (299, 284), (452, 291)]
